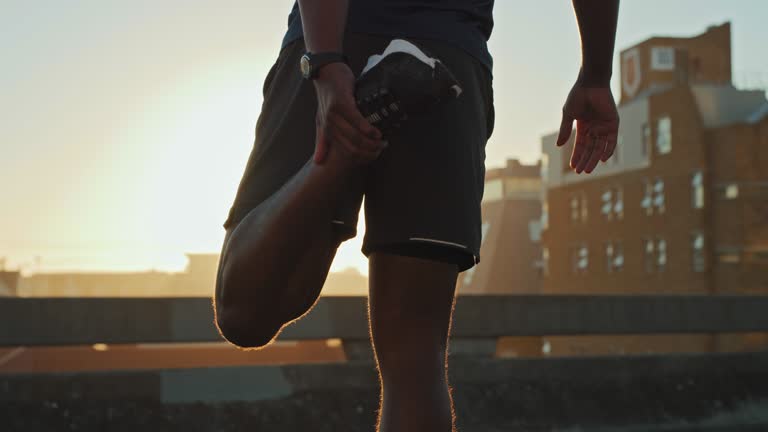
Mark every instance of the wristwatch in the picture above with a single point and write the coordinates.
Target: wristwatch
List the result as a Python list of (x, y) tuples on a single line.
[(311, 63)]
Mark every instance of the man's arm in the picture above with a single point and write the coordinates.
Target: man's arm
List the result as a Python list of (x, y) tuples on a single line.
[(338, 119), (597, 26), (323, 23), (590, 101)]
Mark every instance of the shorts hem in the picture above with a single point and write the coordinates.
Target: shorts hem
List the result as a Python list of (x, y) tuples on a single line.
[(346, 230), (467, 261)]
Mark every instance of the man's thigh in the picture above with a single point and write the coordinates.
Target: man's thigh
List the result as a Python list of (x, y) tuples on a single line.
[(423, 194)]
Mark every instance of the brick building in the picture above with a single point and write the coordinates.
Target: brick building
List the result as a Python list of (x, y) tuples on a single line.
[(682, 207), (510, 253), (9, 282)]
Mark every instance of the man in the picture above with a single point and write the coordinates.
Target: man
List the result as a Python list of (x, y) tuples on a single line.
[(422, 189)]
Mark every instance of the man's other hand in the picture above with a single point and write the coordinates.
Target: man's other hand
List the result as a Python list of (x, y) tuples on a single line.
[(597, 126), (338, 121)]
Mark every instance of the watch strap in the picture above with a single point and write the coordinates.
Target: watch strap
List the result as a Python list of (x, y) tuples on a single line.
[(318, 60)]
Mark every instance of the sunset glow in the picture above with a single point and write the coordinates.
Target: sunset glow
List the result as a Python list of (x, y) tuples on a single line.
[(125, 133)]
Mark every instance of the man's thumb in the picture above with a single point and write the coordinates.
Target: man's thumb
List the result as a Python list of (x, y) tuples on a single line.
[(566, 127)]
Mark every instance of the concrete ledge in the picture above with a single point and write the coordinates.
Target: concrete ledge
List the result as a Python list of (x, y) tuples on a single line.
[(75, 321), (680, 392)]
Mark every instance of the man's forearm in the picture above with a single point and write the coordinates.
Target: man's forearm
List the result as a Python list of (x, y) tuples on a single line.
[(323, 23), (597, 26)]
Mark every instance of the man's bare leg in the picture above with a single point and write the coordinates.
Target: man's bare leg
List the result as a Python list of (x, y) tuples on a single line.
[(410, 307), (272, 270), (285, 303)]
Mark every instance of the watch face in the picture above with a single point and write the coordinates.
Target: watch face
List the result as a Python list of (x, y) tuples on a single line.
[(304, 64)]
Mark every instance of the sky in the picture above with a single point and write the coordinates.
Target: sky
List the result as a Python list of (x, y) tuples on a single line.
[(125, 126)]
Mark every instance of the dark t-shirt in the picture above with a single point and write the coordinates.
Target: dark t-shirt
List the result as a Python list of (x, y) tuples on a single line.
[(464, 23)]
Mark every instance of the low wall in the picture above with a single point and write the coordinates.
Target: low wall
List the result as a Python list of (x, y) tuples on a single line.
[(674, 392)]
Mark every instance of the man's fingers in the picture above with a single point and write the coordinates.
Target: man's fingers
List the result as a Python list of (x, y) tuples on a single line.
[(610, 147), (566, 127), (353, 116), (580, 144), (597, 153), (589, 149), (353, 134), (593, 150), (337, 127), (607, 131)]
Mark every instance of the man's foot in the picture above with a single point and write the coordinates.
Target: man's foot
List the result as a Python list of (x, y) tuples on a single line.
[(401, 83)]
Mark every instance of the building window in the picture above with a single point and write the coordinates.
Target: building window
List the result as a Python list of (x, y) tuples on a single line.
[(697, 252), (732, 191), (647, 202), (544, 168), (579, 258), (522, 187), (583, 258), (664, 135), (544, 214), (614, 257), (658, 196), (646, 146), (545, 261), (697, 190), (613, 204), (579, 207), (729, 257), (655, 254), (661, 254), (618, 256), (575, 213), (493, 190), (663, 58), (649, 255), (653, 196), (607, 208)]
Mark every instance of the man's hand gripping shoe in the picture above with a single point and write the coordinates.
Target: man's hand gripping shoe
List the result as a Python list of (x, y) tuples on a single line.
[(400, 84)]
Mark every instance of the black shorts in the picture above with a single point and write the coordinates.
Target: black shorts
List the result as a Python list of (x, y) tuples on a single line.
[(423, 193)]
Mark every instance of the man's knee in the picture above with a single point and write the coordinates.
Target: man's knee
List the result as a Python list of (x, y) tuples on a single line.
[(244, 324), (245, 330), (424, 276), (407, 287)]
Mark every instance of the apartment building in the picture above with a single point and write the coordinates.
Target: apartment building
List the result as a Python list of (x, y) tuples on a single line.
[(510, 253), (682, 207)]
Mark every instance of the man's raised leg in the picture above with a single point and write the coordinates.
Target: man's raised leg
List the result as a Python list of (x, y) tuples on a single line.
[(410, 307), (273, 265), (274, 306)]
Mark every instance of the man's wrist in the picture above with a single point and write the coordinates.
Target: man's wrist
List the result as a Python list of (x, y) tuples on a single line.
[(311, 63), (330, 70), (594, 78)]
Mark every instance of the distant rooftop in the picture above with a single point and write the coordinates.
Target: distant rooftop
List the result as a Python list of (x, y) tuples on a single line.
[(721, 105), (514, 169)]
